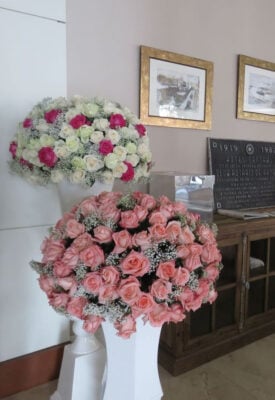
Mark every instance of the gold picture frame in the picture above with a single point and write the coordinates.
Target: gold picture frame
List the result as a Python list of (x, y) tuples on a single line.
[(175, 90), (256, 89)]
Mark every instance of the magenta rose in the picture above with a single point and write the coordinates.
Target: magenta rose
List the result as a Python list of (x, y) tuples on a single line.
[(47, 156), (77, 121), (13, 148), (141, 129), (51, 115), (105, 147), (129, 174), (117, 121), (135, 263), (27, 123), (25, 163)]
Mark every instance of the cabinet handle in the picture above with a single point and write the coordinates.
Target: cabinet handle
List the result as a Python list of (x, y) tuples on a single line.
[(246, 284)]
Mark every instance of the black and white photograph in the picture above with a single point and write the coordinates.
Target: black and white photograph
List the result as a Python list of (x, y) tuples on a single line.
[(175, 90), (256, 89)]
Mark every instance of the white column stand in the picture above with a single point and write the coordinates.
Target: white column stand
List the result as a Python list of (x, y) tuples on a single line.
[(82, 368)]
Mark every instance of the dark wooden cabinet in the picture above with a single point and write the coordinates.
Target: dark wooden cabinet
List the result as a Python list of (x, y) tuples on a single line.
[(245, 308)]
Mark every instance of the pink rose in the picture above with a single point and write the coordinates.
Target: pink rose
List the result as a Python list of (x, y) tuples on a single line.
[(47, 284), (141, 129), (186, 296), (159, 315), (129, 290), (60, 269), (110, 275), (181, 276), (27, 123), (135, 263), (179, 207), (183, 251), (205, 234), (59, 300), (82, 242), (192, 262), (107, 294), (176, 313), (143, 305), (47, 156), (13, 148), (52, 249), (147, 201), (166, 270), (60, 225), (123, 241), (77, 121), (212, 272), (70, 257), (92, 282), (129, 174), (88, 206), (157, 218), (141, 212), (165, 201), (212, 296), (174, 232), (117, 121), (92, 323), (76, 305), (195, 304), (160, 289), (210, 253), (103, 234), (203, 288), (109, 212), (126, 327), (66, 283), (128, 219), (167, 210), (158, 232), (187, 235), (92, 256), (74, 228), (142, 239), (105, 147), (51, 115)]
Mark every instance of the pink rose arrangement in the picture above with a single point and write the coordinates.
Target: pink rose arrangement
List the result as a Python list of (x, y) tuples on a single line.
[(81, 140), (120, 257)]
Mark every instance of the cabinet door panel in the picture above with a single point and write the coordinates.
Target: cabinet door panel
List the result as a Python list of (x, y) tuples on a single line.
[(200, 321), (256, 297), (225, 308)]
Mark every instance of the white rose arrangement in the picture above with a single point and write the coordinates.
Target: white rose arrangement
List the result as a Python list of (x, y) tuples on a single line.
[(81, 140)]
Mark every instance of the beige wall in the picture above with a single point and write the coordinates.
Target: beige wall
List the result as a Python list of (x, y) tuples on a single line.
[(103, 59)]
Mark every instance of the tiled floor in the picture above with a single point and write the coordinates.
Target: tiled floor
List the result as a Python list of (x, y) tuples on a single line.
[(245, 374)]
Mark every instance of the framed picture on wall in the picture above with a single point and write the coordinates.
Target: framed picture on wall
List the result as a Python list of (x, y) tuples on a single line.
[(256, 89), (175, 90)]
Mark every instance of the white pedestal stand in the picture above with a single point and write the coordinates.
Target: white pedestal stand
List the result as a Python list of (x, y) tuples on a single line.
[(132, 364), (82, 368)]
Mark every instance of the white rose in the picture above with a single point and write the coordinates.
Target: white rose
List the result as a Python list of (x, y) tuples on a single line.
[(144, 152), (111, 160), (72, 144), (56, 176), (60, 102), (101, 124), (113, 136), (121, 152), (66, 131), (77, 176), (78, 100), (119, 169), (110, 108), (71, 114), (93, 163), (89, 109), (129, 133), (46, 140), (142, 172), (133, 159), (131, 148), (42, 126), (96, 137), (131, 117), (107, 177), (61, 150)]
